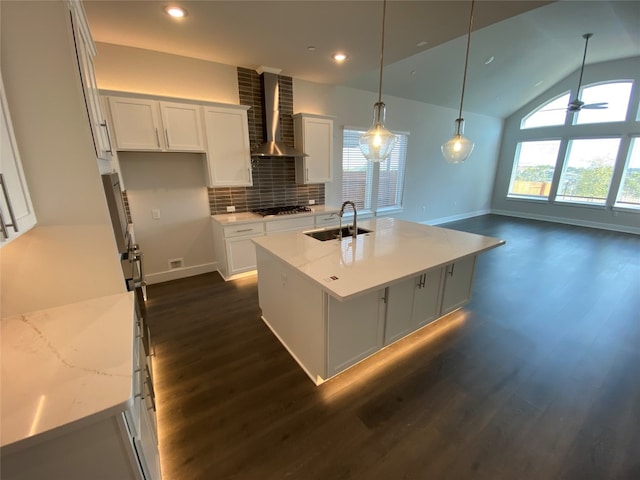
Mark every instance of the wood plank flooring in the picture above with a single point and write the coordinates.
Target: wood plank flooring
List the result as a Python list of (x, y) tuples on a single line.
[(537, 378)]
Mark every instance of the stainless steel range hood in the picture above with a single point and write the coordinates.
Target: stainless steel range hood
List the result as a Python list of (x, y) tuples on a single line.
[(273, 145)]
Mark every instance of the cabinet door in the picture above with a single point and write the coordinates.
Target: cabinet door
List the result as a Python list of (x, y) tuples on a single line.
[(426, 299), (314, 136), (399, 310), (136, 123), (228, 150), (241, 254), (16, 211), (85, 52), (355, 330), (182, 127), (458, 280)]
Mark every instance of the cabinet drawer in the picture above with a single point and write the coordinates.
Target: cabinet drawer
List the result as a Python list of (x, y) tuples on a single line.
[(327, 219), (289, 224), (245, 229)]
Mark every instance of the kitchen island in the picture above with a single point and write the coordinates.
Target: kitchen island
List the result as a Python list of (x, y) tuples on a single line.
[(334, 303)]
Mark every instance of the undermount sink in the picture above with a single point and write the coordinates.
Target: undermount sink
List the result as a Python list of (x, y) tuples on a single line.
[(333, 233)]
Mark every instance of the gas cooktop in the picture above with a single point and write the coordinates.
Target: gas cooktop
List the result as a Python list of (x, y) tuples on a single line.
[(286, 210)]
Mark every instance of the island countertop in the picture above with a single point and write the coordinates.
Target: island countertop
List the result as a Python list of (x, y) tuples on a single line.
[(392, 251)]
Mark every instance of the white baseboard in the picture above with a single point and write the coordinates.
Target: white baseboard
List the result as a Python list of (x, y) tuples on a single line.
[(177, 273), (454, 218), (569, 221)]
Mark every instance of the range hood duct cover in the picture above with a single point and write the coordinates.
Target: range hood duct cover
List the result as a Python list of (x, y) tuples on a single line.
[(273, 146)]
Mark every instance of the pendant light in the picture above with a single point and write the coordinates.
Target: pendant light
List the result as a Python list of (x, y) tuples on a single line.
[(377, 143), (459, 148)]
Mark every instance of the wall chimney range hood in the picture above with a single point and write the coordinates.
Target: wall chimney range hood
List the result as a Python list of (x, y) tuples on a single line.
[(273, 146)]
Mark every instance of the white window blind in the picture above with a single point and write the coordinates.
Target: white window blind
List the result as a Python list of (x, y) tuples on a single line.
[(391, 177), (369, 185)]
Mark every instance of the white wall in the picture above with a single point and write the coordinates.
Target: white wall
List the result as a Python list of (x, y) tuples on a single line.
[(445, 191), (137, 70), (174, 184), (574, 214), (44, 93)]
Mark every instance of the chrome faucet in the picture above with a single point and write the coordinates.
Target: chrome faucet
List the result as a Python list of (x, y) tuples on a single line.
[(354, 228)]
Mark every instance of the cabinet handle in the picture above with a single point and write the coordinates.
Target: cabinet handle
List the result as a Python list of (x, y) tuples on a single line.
[(385, 298), (451, 271), (106, 127), (244, 230), (13, 223), (422, 281), (157, 138), (3, 226), (152, 393), (166, 136), (306, 174)]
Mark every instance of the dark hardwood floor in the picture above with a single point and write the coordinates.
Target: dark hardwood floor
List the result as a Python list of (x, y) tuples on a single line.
[(537, 378)]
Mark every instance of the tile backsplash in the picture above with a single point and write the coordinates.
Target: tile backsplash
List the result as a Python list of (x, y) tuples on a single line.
[(273, 178)]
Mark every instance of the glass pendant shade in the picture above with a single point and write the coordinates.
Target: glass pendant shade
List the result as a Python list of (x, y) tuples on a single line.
[(458, 148), (377, 143)]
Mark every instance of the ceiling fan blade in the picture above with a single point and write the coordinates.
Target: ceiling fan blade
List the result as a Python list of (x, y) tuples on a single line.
[(596, 106)]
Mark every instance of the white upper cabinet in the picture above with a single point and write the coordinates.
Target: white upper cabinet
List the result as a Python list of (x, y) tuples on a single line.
[(228, 149), (182, 127), (85, 51), (152, 125), (16, 211), (314, 136)]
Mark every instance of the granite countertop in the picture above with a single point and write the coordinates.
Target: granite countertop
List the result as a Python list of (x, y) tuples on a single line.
[(248, 217), (64, 367), (394, 250)]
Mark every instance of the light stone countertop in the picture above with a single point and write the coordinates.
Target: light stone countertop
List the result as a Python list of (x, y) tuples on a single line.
[(248, 217), (394, 250), (65, 367)]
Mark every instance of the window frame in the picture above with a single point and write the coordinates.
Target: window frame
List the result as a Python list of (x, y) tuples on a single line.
[(570, 131), (371, 194)]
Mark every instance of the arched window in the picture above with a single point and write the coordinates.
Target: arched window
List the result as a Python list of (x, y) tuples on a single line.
[(554, 112), (580, 157), (616, 97)]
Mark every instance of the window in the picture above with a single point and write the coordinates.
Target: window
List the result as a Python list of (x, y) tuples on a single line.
[(551, 113), (615, 94), (629, 193), (533, 171), (588, 170), (372, 186)]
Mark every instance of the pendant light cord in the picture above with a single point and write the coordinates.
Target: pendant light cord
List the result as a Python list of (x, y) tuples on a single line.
[(466, 59), (384, 13)]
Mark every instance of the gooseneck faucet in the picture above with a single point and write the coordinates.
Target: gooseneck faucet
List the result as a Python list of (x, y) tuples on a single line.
[(354, 228)]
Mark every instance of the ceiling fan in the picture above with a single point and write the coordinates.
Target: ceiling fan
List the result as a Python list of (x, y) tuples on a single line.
[(576, 104)]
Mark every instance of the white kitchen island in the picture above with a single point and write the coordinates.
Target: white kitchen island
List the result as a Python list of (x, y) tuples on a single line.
[(334, 303)]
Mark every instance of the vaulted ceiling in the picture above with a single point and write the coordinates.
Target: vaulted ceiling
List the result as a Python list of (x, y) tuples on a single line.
[(534, 44)]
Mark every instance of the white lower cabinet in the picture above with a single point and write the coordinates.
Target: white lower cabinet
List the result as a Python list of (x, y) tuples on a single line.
[(355, 330), (241, 254), (412, 304), (235, 252), (458, 280)]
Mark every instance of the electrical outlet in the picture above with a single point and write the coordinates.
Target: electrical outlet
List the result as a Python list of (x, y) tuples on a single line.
[(312, 202), (155, 214), (231, 209)]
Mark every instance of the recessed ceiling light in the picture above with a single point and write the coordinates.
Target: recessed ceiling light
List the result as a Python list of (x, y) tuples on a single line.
[(339, 57), (175, 11), (538, 83), (421, 44), (311, 48), (489, 60)]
